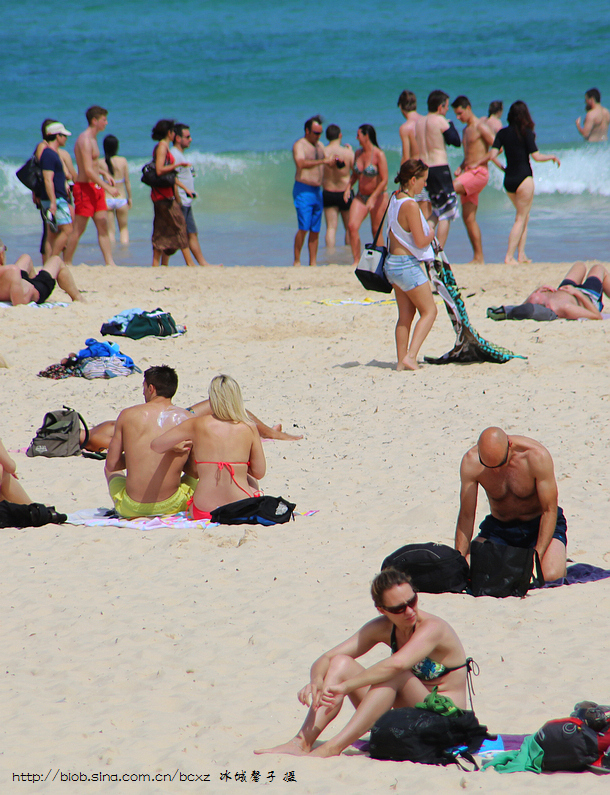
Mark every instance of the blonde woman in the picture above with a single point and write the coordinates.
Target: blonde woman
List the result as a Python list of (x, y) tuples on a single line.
[(226, 449)]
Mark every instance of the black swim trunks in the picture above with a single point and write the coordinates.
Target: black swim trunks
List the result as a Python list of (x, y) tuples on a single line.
[(442, 193), (592, 287), (334, 198), (520, 534), (43, 282)]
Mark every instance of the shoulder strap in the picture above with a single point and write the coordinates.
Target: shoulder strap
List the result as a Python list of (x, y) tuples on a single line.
[(380, 227)]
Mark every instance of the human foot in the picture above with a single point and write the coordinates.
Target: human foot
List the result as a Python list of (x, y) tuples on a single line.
[(293, 747), (408, 363), (326, 750), (510, 261), (476, 262), (524, 259)]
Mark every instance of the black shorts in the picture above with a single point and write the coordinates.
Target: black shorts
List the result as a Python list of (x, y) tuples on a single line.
[(442, 193), (334, 198), (43, 282), (520, 534)]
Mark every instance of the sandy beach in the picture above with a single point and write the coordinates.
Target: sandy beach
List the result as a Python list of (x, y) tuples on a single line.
[(178, 652)]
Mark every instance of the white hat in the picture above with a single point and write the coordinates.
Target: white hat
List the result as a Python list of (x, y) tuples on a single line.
[(56, 128)]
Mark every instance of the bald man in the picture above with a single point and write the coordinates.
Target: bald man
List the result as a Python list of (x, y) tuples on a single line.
[(518, 477)]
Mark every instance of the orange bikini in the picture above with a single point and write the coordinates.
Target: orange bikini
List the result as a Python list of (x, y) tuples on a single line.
[(199, 514)]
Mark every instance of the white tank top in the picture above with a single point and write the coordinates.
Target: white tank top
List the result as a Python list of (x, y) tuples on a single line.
[(406, 238)]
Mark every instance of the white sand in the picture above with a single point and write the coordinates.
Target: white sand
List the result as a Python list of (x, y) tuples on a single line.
[(130, 652)]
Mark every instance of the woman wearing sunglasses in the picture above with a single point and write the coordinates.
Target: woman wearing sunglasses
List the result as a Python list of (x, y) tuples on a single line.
[(426, 653)]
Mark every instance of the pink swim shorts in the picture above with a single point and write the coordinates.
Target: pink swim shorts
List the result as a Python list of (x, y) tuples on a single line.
[(473, 180)]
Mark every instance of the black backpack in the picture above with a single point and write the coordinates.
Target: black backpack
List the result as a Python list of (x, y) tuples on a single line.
[(568, 744), (419, 735), (434, 568), (264, 510), (13, 514), (59, 435)]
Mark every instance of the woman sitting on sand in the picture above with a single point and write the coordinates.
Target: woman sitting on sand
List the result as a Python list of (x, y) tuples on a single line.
[(426, 653), (409, 238), (226, 448)]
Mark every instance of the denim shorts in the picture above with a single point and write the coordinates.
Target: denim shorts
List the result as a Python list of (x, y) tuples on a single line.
[(405, 271)]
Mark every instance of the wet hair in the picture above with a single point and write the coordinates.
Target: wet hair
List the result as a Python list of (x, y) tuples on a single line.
[(111, 147), (369, 130), (43, 128), (161, 129), (163, 378), (95, 112), (226, 400), (495, 106), (409, 169), (180, 128), (593, 93), (317, 119), (386, 579), (333, 131), (519, 116), (407, 101), (436, 99), (461, 102)]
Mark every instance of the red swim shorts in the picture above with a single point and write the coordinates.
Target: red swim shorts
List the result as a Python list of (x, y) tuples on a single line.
[(473, 180), (89, 199)]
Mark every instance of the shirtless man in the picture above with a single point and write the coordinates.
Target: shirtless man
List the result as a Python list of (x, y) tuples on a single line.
[(335, 181), (517, 475), (470, 178), (578, 296), (89, 193), (597, 118), (432, 133), (309, 159), (20, 284), (156, 484), (494, 115), (407, 102)]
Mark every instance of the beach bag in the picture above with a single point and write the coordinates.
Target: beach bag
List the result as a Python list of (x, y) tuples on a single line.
[(154, 180), (419, 735), (568, 744), (59, 435), (30, 174), (151, 324), (264, 510), (370, 268), (434, 568), (500, 570), (34, 515)]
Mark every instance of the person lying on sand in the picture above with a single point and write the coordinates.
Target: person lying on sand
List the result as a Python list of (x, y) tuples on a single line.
[(20, 283), (226, 448), (517, 475), (154, 484), (10, 488), (426, 653), (578, 295)]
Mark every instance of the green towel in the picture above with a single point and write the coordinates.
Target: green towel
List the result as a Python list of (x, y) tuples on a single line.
[(528, 757)]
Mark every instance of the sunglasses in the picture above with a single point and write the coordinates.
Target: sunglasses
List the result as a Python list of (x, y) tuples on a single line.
[(398, 609), (497, 466)]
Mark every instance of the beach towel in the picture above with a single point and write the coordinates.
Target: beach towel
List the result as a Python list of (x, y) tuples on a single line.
[(469, 345), (104, 517), (580, 573), (45, 305)]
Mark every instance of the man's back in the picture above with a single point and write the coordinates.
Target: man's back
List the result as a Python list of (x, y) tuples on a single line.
[(335, 178), (151, 477), (429, 135), (600, 119), (408, 136)]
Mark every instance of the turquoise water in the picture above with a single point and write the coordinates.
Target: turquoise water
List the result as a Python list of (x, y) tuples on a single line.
[(245, 75)]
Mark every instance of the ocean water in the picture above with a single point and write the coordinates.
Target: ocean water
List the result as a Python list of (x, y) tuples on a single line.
[(245, 75)]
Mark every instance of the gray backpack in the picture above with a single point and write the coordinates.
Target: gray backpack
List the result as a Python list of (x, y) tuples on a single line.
[(59, 435)]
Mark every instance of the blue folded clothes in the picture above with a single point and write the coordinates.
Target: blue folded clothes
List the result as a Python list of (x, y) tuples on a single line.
[(97, 349)]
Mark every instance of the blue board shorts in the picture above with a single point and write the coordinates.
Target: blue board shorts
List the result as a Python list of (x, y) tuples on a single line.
[(62, 216), (308, 204), (520, 534)]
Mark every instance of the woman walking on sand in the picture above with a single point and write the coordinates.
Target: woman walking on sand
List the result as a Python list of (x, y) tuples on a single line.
[(518, 142), (121, 204)]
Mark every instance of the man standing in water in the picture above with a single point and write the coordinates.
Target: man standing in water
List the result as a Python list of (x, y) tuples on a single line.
[(432, 133), (309, 159), (89, 196), (407, 102), (597, 118), (494, 114), (470, 178), (336, 180)]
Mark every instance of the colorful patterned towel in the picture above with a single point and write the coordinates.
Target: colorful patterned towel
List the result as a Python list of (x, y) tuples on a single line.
[(103, 517)]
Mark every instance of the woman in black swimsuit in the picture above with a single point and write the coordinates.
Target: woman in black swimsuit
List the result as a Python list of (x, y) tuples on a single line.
[(370, 171), (518, 142), (426, 652)]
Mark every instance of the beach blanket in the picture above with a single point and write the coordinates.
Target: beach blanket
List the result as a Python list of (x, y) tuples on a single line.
[(102, 517), (580, 573), (469, 345), (45, 305)]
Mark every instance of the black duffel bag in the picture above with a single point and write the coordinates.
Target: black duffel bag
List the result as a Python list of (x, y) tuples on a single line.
[(265, 510), (434, 568), (500, 570)]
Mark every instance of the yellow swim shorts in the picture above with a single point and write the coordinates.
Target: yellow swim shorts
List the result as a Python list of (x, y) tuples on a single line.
[(129, 509)]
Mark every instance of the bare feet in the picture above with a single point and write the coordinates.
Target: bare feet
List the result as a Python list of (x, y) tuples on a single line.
[(296, 263), (325, 750), (408, 363), (510, 261), (476, 262), (278, 433), (293, 747), (524, 260)]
